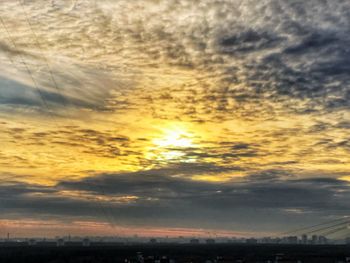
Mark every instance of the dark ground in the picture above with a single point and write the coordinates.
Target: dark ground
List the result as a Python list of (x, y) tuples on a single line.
[(176, 252)]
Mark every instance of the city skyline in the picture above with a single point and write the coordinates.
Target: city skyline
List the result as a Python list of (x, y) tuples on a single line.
[(173, 117)]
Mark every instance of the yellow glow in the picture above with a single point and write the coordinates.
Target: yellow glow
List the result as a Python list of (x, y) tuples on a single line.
[(345, 178), (176, 137), (217, 178), (171, 143)]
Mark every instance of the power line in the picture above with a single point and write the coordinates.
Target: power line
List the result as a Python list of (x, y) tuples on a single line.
[(109, 214), (58, 89), (344, 235), (107, 210), (334, 231), (327, 228), (37, 88), (99, 202), (314, 226)]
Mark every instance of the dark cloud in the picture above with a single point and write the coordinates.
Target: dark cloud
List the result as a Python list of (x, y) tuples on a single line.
[(258, 191), (344, 125), (17, 94), (248, 41), (167, 200), (107, 143), (12, 51), (20, 200), (234, 151)]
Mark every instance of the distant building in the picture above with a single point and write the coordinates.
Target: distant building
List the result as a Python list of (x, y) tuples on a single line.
[(279, 257), (153, 240), (60, 242), (251, 241), (31, 242), (269, 240), (304, 239), (140, 258), (86, 242), (322, 240), (210, 241), (314, 239), (194, 241), (347, 240), (292, 240), (164, 259)]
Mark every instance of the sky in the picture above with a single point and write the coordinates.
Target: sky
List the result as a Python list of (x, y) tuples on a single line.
[(173, 117)]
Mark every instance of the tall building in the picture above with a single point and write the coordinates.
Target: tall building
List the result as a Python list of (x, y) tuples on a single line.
[(32, 242), (304, 239), (60, 242), (153, 240), (210, 241), (86, 242), (251, 241), (322, 240), (347, 240), (292, 240), (194, 241)]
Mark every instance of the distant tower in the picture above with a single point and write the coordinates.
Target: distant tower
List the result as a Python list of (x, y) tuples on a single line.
[(8, 236)]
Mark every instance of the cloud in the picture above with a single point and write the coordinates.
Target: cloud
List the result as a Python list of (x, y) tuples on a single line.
[(12, 51), (260, 54), (57, 87), (269, 47), (266, 81), (164, 200)]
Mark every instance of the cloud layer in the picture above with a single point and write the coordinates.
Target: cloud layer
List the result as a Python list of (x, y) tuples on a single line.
[(176, 112), (268, 55), (156, 198)]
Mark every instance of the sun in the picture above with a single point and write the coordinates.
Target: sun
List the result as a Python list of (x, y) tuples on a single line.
[(175, 138), (172, 143)]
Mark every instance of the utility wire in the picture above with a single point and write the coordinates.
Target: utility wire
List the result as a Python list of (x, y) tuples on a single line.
[(314, 226), (108, 214), (12, 41), (334, 231), (58, 89), (42, 98), (37, 88), (345, 235), (327, 228)]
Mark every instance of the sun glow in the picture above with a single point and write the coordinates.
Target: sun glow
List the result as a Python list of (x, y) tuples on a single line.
[(175, 138), (171, 144)]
